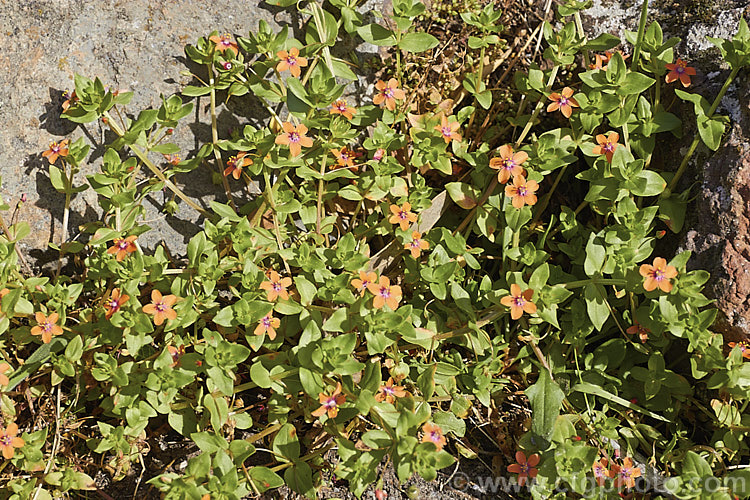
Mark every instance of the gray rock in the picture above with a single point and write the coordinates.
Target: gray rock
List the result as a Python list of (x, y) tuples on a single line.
[(135, 45)]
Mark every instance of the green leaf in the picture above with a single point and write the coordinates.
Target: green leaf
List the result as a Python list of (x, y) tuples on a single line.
[(306, 289), (464, 195), (377, 35), (286, 443), (418, 42), (595, 390), (647, 183), (634, 83), (711, 130), (596, 304), (57, 179), (193, 91), (546, 398), (264, 478)]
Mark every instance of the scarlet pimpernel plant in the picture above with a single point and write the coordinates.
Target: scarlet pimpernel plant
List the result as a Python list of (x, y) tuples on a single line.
[(383, 285)]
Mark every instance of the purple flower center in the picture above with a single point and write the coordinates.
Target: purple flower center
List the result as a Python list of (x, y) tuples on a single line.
[(388, 93), (680, 69), (435, 436), (276, 286), (389, 390), (160, 306), (291, 60), (563, 101), (522, 191), (341, 107), (509, 164), (658, 274), (519, 301), (47, 327), (122, 245), (525, 468), (330, 403), (446, 131), (266, 322), (113, 304), (415, 243), (403, 215), (385, 292), (227, 65), (55, 148), (609, 147), (6, 440), (293, 137)]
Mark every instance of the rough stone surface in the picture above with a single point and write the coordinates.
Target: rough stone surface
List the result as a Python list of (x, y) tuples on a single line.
[(130, 44), (717, 227)]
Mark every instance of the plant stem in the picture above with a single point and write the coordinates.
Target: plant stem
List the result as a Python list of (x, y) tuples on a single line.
[(272, 204), (639, 41), (215, 137), (596, 281), (321, 183), (697, 138), (539, 106), (582, 34), (158, 173)]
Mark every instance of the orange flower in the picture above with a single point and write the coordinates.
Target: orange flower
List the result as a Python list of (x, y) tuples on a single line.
[(607, 145), (172, 159), (47, 327), (176, 353), (161, 307), (658, 275), (294, 137), (224, 42), (341, 108), (4, 367), (522, 191), (601, 61), (625, 474), (743, 347), (402, 216), (122, 247), (509, 163), (330, 403), (276, 287), (115, 302), (364, 280), (416, 245), (56, 150), (267, 325), (680, 70), (9, 442), (519, 302), (601, 471), (641, 330), (70, 98), (385, 293), (344, 157), (236, 163), (449, 130), (291, 61), (524, 468), (564, 102), (388, 93), (433, 434), (390, 392)]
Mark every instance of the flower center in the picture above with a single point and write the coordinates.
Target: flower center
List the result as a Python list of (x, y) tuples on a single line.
[(47, 326), (276, 286), (563, 101), (435, 436), (267, 322), (658, 274), (508, 164), (446, 131), (55, 148), (522, 191), (6, 440), (160, 306), (388, 92), (609, 147), (122, 245), (415, 243), (114, 304), (331, 403), (402, 215), (342, 107), (227, 65), (385, 292), (519, 301), (293, 137), (291, 60), (525, 469), (389, 390)]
